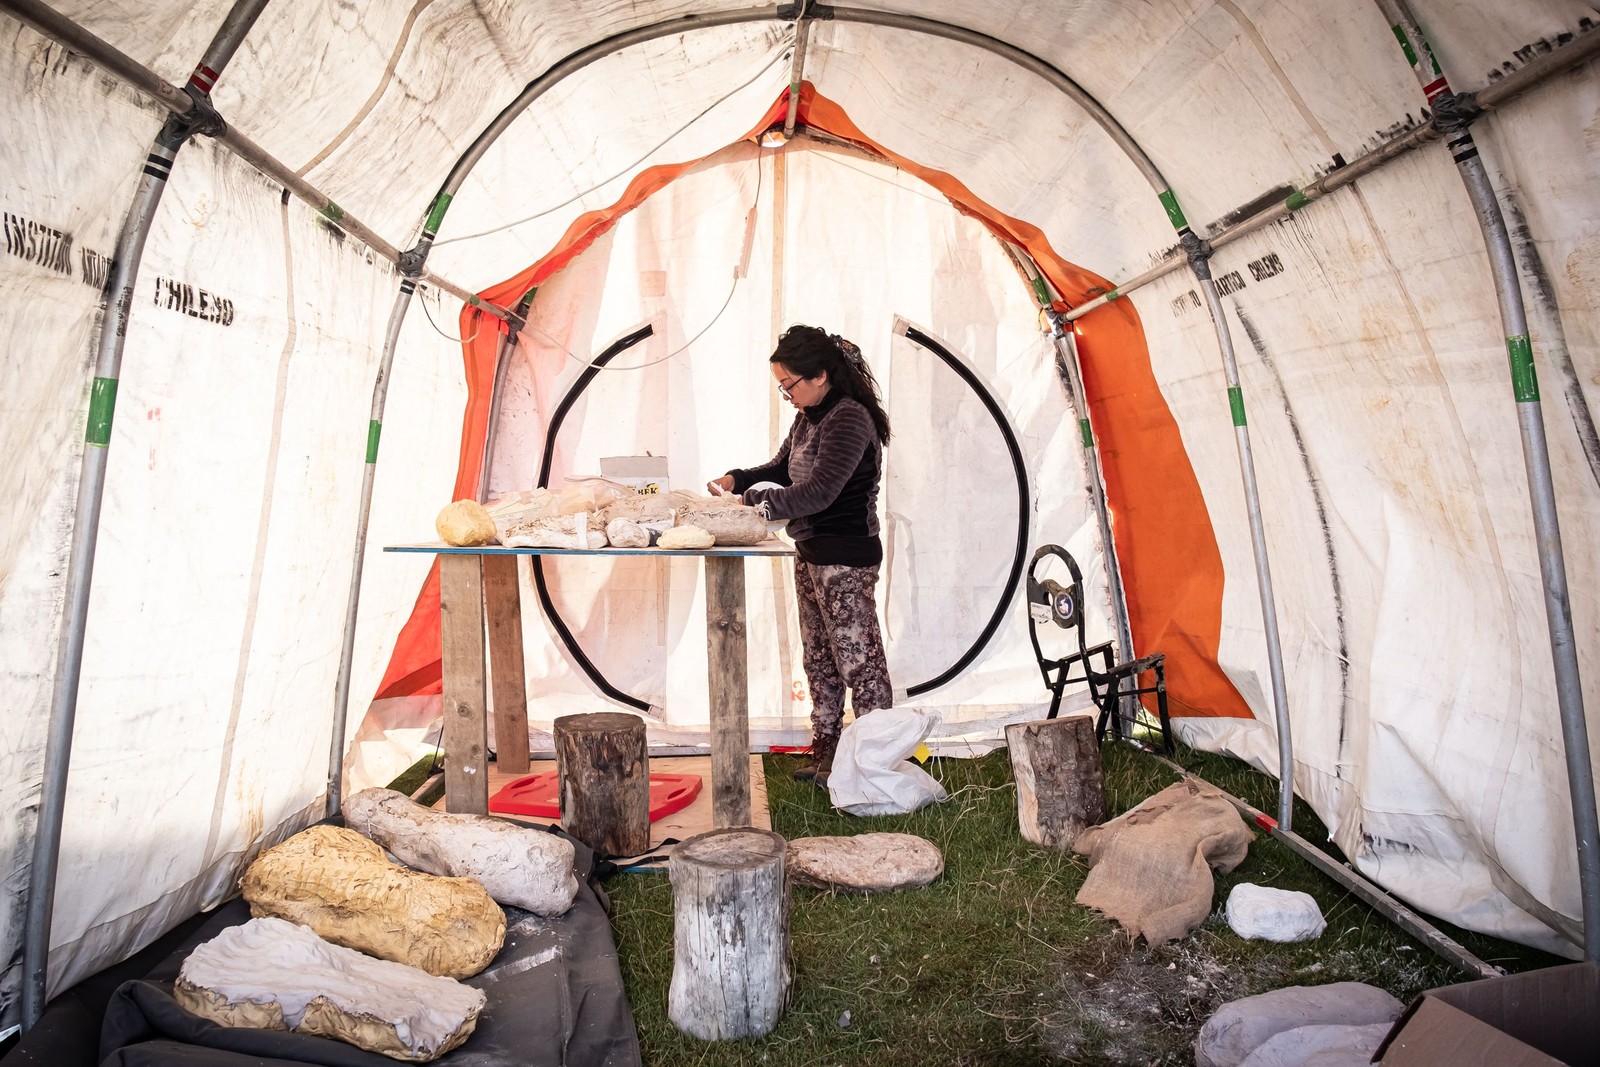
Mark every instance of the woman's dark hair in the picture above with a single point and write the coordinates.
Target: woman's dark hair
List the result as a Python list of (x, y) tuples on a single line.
[(811, 350)]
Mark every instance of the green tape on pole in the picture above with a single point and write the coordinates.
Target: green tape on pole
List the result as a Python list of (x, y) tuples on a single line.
[(374, 431), (436, 213), (1296, 201), (333, 212), (1524, 379), (1405, 43), (527, 297), (1113, 295), (1236, 403), (102, 403), (1088, 434), (1041, 292), (1174, 212)]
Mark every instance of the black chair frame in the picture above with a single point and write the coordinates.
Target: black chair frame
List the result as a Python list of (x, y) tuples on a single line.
[(1112, 684)]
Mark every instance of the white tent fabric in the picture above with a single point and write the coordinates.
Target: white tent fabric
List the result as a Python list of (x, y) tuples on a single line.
[(1371, 348)]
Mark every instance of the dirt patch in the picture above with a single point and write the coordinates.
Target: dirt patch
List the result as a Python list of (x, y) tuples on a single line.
[(1138, 1005)]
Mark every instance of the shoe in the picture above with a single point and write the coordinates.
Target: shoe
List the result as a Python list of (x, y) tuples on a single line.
[(821, 764)]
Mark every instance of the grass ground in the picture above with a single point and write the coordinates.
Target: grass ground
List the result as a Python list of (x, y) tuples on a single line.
[(994, 963)]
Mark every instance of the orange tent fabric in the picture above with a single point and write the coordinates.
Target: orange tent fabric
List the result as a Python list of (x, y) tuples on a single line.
[(1171, 566)]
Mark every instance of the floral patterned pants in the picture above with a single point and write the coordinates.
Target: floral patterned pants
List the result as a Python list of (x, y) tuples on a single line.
[(842, 643)]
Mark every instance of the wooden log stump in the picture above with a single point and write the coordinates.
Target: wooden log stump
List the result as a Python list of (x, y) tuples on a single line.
[(603, 769), (1060, 786), (730, 941)]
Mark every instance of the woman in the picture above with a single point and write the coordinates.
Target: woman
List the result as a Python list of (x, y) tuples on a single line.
[(828, 472)]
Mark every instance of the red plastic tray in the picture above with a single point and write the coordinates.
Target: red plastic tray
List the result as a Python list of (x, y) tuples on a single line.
[(539, 795)]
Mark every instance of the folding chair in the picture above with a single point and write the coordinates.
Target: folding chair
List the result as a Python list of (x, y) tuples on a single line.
[(1110, 681)]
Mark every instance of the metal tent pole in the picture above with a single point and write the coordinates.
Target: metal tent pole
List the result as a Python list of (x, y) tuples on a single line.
[(198, 117), (802, 34), (1258, 538), (341, 690), (1386, 905), (1535, 453), (1072, 378), (1067, 363)]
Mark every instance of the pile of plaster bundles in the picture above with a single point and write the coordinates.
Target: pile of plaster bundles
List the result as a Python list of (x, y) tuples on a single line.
[(596, 513), (348, 945)]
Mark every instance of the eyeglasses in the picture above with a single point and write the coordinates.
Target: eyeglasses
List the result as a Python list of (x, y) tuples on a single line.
[(784, 387)]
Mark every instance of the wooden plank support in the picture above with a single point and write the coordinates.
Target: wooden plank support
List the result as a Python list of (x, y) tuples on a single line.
[(502, 596), (727, 665), (466, 770)]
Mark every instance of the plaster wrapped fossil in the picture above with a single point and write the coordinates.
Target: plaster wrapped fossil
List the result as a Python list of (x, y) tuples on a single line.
[(728, 522), (275, 975), (464, 523), (625, 533), (530, 869), (686, 537), (343, 887), (551, 531), (643, 508)]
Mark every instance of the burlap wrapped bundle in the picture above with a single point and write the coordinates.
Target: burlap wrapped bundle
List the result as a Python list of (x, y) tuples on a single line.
[(343, 887), (1150, 868)]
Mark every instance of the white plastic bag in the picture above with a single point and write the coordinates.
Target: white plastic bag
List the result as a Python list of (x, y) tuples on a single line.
[(871, 773)]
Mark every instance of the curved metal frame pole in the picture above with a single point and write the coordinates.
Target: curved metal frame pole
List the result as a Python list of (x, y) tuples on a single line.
[(347, 650), (1535, 455), (157, 167)]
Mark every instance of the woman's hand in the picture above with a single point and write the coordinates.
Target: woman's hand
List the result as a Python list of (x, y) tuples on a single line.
[(719, 486)]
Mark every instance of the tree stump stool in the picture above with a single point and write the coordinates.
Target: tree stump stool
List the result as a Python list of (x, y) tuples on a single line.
[(1060, 787), (730, 941), (603, 769)]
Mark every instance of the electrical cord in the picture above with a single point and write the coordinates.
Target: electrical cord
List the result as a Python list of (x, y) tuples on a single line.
[(625, 170), (738, 276), (458, 340)]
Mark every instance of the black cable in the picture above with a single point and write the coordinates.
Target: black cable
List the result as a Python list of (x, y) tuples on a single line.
[(916, 336), (545, 463)]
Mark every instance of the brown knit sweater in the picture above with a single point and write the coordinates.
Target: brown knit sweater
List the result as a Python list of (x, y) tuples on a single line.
[(830, 467)]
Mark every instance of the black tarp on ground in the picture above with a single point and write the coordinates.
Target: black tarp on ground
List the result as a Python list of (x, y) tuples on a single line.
[(554, 992)]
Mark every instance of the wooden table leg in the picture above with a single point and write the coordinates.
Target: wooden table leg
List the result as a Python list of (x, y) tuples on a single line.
[(503, 600), (727, 664), (466, 771)]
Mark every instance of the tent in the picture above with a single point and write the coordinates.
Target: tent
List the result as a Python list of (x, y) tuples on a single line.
[(1282, 317)]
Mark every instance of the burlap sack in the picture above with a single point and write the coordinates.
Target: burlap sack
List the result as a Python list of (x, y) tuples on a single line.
[(1150, 869)]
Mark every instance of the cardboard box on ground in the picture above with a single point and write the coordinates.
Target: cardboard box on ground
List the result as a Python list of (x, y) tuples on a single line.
[(1544, 1018)]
